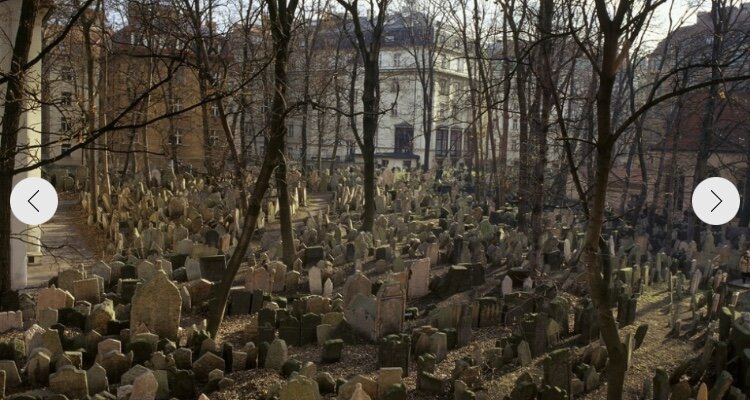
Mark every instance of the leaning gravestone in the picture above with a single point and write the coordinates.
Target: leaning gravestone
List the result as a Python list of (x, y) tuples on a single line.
[(157, 304), (70, 382)]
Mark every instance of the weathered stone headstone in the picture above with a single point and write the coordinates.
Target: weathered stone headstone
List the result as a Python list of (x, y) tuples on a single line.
[(38, 367), (332, 350), (315, 280), (524, 353), (157, 304), (557, 370), (12, 377), (299, 388), (394, 351), (356, 284), (507, 285), (54, 298), (70, 382), (277, 355), (207, 363), (661, 385), (391, 303), (212, 267), (419, 278), (145, 386)]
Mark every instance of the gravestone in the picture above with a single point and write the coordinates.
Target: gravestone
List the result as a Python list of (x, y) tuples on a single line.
[(70, 382), (313, 255), (213, 267), (315, 280), (277, 355), (87, 290), (391, 304), (157, 304), (394, 351), (299, 388), (419, 278), (557, 369), (507, 285), (356, 284)]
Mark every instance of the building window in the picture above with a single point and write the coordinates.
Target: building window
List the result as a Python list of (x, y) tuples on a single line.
[(444, 62), (65, 146), (443, 87), (403, 143), (175, 105), (213, 137), (65, 126), (394, 110), (395, 86), (67, 74), (456, 141), (396, 59), (441, 142), (176, 137), (460, 65), (468, 142), (67, 99), (515, 124), (215, 110), (290, 131)]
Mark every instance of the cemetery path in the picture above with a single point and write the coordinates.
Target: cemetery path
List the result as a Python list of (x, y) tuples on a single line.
[(315, 203), (67, 240)]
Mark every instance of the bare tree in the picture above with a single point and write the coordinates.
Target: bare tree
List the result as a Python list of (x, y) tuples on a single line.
[(281, 18), (368, 45)]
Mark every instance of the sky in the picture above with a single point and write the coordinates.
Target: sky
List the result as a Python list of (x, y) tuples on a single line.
[(684, 12)]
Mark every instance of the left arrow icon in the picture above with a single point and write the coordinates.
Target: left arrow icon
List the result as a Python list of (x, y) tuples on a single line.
[(32, 204), (33, 201)]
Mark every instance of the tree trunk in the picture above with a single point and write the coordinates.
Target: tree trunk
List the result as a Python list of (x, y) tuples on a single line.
[(745, 213), (281, 21), (285, 211), (596, 274), (540, 118), (13, 110), (90, 121), (718, 17), (303, 134), (371, 105), (321, 129)]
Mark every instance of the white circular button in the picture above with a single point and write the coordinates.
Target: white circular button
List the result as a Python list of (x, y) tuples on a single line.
[(33, 201), (716, 201)]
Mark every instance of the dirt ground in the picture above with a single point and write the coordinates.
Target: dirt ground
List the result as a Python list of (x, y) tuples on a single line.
[(659, 350)]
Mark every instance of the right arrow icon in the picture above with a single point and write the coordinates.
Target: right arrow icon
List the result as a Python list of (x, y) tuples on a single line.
[(712, 193), (717, 204)]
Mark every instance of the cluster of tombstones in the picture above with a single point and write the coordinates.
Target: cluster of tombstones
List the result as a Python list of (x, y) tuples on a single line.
[(720, 371), (126, 314)]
